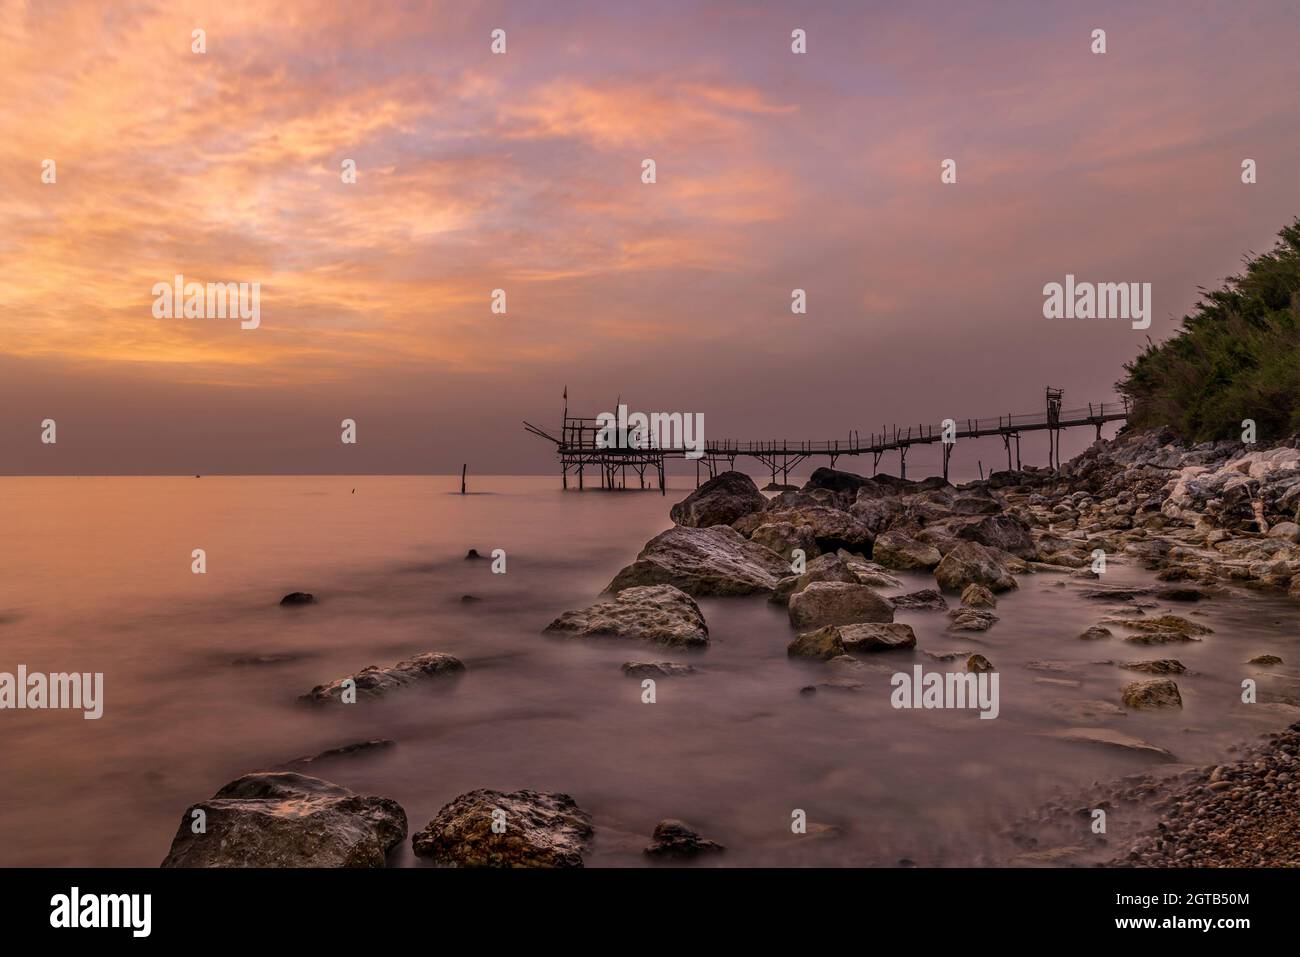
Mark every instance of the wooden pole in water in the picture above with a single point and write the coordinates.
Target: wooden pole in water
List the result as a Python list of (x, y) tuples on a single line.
[(462, 477)]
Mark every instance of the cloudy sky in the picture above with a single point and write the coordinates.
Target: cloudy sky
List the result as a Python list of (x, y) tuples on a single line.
[(522, 172)]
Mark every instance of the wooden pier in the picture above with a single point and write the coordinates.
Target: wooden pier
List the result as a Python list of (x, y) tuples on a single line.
[(579, 450)]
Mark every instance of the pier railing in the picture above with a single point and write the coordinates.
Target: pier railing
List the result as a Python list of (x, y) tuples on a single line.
[(581, 445)]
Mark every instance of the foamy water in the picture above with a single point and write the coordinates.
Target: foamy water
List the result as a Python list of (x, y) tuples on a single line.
[(95, 576)]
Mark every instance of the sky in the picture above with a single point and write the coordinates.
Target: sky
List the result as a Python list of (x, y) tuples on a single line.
[(522, 171)]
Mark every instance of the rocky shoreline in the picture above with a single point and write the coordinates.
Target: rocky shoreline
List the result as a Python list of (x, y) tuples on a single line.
[(1241, 812), (1201, 518)]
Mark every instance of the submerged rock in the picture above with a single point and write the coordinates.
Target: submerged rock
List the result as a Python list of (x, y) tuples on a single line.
[(1156, 693), (837, 643), (1086, 709), (978, 664), (659, 613), (1163, 623), (858, 638), (1159, 638), (838, 603), (540, 830), (270, 658), (704, 561), (656, 669), (1116, 593), (1158, 666), (1265, 660), (298, 598), (1052, 855), (676, 839), (285, 819), (927, 599), (347, 750), (719, 501), (824, 643), (374, 682), (946, 655), (971, 563), (972, 619), (1109, 738)]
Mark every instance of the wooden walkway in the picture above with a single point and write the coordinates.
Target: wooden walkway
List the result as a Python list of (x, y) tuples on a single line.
[(579, 450)]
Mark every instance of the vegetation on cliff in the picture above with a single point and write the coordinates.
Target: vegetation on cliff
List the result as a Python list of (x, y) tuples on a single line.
[(1237, 356)]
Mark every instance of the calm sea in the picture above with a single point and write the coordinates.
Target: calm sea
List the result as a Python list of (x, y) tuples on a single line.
[(95, 577)]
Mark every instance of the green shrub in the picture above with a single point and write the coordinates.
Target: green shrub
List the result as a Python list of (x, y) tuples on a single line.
[(1237, 357)]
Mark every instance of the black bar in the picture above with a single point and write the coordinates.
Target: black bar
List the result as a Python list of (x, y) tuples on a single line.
[(375, 910)]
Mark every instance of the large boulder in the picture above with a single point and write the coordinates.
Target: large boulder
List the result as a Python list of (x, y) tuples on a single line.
[(1287, 531), (875, 512), (832, 528), (896, 549), (659, 613), (977, 596), (540, 830), (704, 561), (801, 498), (975, 501), (972, 563), (784, 537), (823, 568), (838, 603), (719, 501), (940, 536), (285, 819), (868, 573), (836, 481), (1004, 532), (375, 682)]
